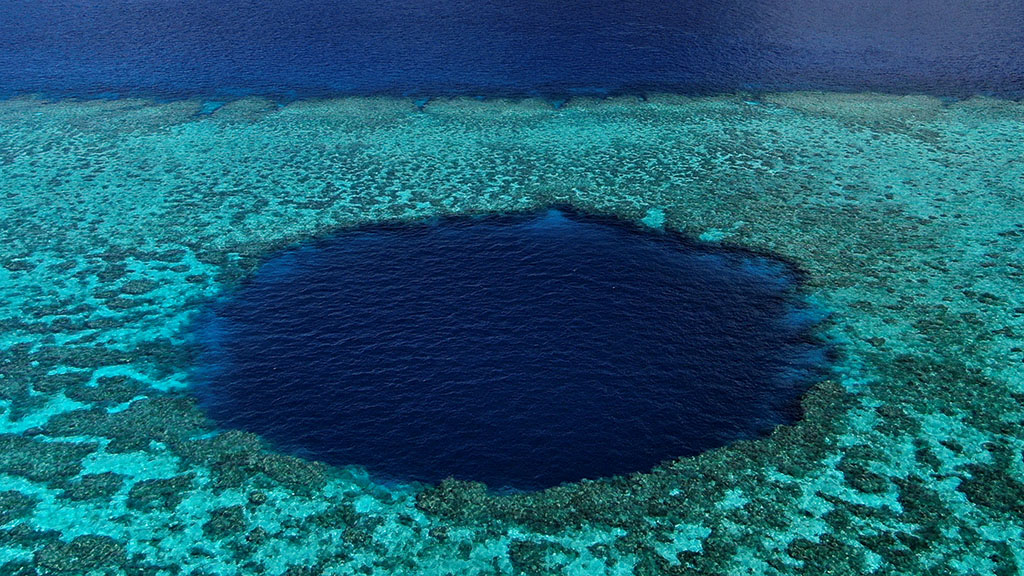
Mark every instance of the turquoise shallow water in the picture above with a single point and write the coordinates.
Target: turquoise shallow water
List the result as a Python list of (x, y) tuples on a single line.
[(122, 219)]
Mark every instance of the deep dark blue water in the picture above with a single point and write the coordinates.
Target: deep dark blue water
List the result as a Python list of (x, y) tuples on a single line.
[(519, 351), (296, 48)]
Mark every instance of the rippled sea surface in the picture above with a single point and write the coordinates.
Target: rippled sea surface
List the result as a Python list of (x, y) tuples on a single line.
[(192, 192), (296, 48), (521, 352)]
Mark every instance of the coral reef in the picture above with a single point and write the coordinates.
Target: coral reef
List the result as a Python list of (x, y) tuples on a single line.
[(123, 218)]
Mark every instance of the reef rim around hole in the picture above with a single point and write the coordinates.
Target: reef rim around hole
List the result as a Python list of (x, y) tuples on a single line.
[(241, 348)]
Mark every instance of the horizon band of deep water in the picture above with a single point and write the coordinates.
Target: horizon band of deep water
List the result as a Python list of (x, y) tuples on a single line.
[(294, 49)]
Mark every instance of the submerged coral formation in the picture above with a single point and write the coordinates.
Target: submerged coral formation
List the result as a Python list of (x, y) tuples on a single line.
[(123, 218)]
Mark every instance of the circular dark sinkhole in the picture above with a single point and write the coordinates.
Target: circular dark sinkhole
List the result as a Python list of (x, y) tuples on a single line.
[(520, 351)]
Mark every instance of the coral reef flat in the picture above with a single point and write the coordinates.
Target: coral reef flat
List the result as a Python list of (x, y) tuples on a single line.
[(122, 219)]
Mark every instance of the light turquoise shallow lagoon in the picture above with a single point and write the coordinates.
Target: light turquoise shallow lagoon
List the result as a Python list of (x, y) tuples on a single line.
[(122, 219)]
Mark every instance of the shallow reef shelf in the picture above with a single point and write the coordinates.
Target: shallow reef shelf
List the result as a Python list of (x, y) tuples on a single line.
[(121, 219)]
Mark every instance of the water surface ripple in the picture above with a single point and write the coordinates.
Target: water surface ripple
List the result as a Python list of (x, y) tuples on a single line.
[(518, 351), (299, 48)]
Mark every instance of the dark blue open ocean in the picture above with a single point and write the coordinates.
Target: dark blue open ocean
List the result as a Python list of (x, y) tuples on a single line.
[(298, 48), (518, 351)]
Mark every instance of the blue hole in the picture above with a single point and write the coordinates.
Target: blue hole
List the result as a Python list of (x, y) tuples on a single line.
[(519, 351)]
